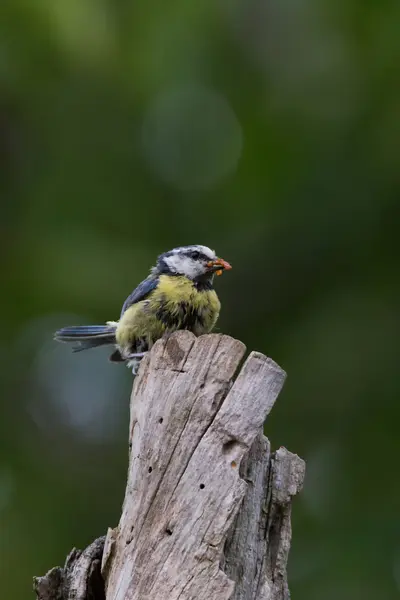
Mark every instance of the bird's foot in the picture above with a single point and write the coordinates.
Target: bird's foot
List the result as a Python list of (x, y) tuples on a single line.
[(134, 361)]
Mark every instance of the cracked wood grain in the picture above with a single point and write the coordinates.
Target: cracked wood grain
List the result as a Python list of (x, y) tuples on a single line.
[(191, 426), (79, 579), (206, 514), (258, 543)]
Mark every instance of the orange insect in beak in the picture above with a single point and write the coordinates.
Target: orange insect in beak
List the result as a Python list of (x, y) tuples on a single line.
[(218, 266)]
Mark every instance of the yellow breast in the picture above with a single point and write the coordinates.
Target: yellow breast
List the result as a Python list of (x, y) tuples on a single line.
[(175, 304), (196, 309)]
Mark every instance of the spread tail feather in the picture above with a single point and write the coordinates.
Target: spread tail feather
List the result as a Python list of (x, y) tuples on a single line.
[(87, 336)]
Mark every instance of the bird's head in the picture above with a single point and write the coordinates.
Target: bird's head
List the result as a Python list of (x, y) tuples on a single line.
[(198, 263)]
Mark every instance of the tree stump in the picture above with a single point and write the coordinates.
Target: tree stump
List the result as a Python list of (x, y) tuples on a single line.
[(206, 514)]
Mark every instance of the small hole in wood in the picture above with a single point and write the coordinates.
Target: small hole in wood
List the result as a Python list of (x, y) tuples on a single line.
[(202, 386), (160, 420), (150, 469), (202, 486), (234, 464), (169, 531), (228, 446)]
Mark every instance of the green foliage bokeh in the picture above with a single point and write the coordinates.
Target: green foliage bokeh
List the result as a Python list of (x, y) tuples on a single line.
[(269, 131)]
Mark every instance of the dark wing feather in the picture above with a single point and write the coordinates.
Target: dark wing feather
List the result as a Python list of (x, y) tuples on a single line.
[(141, 292)]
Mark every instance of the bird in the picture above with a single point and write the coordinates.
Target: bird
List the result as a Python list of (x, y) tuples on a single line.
[(177, 294)]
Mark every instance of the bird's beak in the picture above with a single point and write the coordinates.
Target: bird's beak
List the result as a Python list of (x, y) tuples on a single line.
[(218, 266)]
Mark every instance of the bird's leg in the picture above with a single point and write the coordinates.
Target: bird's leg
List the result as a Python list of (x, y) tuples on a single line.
[(135, 355)]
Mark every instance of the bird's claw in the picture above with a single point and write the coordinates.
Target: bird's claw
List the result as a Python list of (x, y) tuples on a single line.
[(134, 361)]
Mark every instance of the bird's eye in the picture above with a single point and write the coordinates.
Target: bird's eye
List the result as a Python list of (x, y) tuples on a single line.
[(195, 255)]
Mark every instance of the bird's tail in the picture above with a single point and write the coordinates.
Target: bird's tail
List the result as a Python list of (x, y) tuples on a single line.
[(87, 336)]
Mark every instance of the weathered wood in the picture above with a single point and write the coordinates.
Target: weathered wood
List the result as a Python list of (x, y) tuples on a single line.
[(190, 428), (206, 514), (258, 543), (79, 579)]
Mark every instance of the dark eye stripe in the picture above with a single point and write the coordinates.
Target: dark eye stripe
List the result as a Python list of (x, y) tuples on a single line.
[(196, 255)]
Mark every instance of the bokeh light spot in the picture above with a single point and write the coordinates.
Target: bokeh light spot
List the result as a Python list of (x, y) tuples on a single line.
[(191, 137)]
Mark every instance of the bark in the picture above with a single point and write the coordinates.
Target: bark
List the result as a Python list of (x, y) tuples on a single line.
[(79, 579), (206, 514)]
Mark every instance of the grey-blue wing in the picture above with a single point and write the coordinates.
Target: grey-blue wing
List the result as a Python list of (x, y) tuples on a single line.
[(141, 292)]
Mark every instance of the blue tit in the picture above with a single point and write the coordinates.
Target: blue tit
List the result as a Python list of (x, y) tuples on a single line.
[(178, 294)]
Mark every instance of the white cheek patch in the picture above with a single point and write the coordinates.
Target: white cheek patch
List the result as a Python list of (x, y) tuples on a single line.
[(184, 265), (205, 250)]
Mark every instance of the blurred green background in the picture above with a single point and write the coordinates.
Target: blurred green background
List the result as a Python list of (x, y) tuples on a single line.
[(267, 130)]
